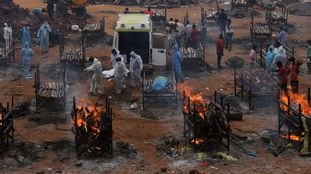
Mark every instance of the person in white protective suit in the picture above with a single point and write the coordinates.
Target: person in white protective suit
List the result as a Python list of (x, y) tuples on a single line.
[(43, 37), (136, 66), (7, 35), (115, 53), (119, 72), (96, 82)]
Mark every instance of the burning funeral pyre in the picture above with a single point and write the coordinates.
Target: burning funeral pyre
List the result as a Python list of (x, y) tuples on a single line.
[(295, 114), (203, 120), (93, 129)]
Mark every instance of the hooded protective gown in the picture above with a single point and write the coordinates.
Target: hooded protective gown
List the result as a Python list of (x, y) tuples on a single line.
[(7, 35), (280, 56), (177, 61), (269, 59), (136, 66), (119, 73), (26, 36), (43, 35), (27, 54), (113, 58), (96, 81)]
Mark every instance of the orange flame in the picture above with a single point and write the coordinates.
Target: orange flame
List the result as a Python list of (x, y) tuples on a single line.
[(194, 99), (0, 118), (293, 137), (84, 110), (295, 100), (197, 141)]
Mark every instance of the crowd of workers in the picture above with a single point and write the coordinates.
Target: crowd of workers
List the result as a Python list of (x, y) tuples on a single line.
[(275, 60)]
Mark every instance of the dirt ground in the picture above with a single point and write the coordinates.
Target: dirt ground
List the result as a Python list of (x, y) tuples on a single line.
[(129, 126)]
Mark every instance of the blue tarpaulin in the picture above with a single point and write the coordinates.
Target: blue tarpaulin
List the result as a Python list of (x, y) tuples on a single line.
[(160, 84)]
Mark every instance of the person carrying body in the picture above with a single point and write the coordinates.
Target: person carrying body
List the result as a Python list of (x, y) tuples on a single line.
[(115, 53), (119, 73), (27, 54), (96, 82), (136, 66)]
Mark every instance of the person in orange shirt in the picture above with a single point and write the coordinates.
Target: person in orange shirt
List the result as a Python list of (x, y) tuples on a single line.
[(150, 12)]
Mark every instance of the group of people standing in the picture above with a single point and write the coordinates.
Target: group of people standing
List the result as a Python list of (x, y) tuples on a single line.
[(26, 51), (183, 35)]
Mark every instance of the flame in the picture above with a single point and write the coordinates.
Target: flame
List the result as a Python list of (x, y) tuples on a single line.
[(293, 137), (84, 110), (296, 99), (0, 118), (197, 141), (194, 100)]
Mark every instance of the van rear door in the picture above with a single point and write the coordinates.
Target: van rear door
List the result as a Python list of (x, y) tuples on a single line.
[(158, 49)]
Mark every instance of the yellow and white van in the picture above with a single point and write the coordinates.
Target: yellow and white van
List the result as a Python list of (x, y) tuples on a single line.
[(134, 32)]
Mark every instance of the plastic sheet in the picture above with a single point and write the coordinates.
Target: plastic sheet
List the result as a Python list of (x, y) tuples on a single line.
[(160, 84)]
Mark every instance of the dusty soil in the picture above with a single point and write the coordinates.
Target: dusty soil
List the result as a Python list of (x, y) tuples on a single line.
[(44, 137)]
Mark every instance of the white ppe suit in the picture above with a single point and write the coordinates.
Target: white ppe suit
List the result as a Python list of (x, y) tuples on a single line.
[(114, 56), (136, 66), (119, 73), (7, 35), (96, 81), (43, 36)]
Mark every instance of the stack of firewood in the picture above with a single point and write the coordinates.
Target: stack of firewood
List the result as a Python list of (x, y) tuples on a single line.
[(261, 29), (51, 90), (92, 27), (72, 55)]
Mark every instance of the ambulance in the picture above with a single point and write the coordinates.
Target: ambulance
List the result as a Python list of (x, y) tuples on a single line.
[(136, 32)]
